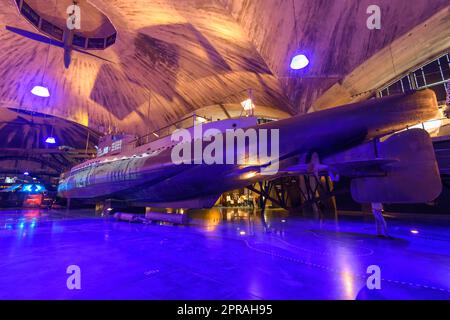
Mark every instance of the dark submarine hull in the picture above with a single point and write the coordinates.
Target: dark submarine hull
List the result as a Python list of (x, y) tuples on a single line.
[(152, 179)]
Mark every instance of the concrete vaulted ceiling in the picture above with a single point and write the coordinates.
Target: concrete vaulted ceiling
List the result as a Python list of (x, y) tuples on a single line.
[(173, 57)]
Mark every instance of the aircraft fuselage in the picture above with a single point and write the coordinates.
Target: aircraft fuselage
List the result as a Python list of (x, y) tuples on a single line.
[(150, 177), (68, 46)]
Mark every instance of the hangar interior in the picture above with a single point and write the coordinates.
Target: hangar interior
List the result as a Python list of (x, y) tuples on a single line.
[(92, 92)]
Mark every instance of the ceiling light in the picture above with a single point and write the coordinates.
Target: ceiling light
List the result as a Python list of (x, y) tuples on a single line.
[(50, 140), (248, 104), (299, 62), (40, 91), (200, 119)]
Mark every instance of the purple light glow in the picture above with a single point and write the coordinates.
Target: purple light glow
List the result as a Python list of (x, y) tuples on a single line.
[(236, 256)]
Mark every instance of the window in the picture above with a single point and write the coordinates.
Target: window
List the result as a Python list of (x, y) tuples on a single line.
[(433, 75)]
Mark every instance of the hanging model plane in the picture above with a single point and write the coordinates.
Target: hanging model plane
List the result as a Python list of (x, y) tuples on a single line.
[(366, 142), (66, 44)]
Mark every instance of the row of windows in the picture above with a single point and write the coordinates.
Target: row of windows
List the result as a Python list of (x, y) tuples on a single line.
[(433, 75)]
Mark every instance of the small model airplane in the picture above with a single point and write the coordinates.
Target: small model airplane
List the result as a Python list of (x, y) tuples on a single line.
[(66, 44)]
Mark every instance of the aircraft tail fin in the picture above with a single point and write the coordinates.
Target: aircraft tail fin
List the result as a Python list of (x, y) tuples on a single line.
[(410, 176)]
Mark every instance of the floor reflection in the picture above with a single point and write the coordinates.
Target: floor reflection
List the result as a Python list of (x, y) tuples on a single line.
[(225, 253)]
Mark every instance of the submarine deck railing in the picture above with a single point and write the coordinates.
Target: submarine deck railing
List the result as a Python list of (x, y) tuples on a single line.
[(167, 130)]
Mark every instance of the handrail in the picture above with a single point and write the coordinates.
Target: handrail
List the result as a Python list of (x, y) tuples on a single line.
[(157, 134)]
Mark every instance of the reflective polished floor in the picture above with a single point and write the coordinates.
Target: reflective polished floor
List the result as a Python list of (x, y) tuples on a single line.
[(227, 254)]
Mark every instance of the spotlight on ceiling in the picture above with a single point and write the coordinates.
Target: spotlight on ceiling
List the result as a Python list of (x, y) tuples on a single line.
[(40, 91), (26, 173), (200, 119), (300, 61), (248, 104), (50, 140)]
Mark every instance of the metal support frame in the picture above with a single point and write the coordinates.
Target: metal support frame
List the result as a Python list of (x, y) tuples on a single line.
[(312, 192)]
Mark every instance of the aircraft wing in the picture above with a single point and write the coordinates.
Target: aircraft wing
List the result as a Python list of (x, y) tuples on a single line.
[(358, 168), (302, 169), (91, 54), (346, 168), (401, 169), (35, 36)]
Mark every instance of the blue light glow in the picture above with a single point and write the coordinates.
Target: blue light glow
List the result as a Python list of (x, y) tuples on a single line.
[(50, 140), (40, 91), (13, 188), (33, 188), (300, 61), (26, 173)]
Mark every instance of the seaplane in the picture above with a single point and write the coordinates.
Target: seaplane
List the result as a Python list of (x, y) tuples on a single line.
[(365, 141), (66, 44)]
